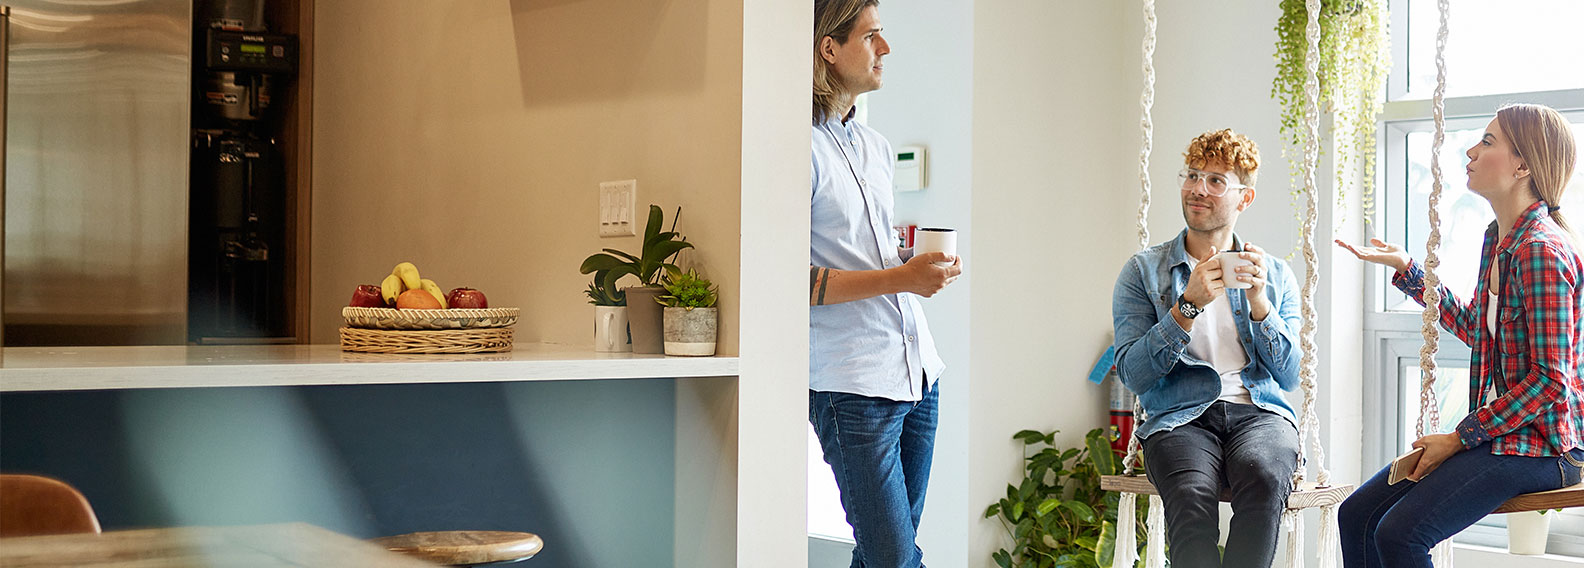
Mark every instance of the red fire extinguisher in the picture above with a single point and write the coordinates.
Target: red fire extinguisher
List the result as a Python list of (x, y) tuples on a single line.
[(1121, 398), (1121, 412)]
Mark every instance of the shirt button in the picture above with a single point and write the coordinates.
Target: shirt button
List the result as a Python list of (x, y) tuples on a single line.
[(910, 339)]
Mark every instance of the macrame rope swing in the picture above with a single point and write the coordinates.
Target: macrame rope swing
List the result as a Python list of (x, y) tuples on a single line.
[(1319, 494)]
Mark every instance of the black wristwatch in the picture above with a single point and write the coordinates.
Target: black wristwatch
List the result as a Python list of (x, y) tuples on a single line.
[(1188, 309)]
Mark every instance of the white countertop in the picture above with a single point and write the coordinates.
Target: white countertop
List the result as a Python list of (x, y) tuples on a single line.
[(92, 368)]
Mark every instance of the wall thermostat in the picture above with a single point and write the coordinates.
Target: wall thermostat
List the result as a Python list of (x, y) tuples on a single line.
[(910, 170)]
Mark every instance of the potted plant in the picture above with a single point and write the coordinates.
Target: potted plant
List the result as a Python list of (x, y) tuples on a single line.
[(1527, 531), (1355, 56), (611, 331), (691, 317), (1057, 515), (658, 250)]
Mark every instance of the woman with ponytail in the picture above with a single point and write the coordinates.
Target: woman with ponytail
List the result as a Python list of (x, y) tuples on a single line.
[(1525, 428)]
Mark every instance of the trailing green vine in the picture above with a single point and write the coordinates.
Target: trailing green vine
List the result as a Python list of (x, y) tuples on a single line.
[(1355, 56)]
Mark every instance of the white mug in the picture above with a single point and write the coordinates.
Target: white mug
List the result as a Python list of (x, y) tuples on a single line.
[(936, 240), (1229, 263), (611, 334)]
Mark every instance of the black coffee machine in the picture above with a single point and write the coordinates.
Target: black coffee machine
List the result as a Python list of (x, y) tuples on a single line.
[(237, 288)]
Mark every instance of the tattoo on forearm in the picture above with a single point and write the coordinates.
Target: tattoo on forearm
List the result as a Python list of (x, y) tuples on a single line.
[(819, 278)]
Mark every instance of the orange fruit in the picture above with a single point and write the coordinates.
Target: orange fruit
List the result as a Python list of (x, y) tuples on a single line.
[(417, 300)]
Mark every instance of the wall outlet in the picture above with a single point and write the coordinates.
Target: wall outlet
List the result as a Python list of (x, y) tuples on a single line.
[(616, 208)]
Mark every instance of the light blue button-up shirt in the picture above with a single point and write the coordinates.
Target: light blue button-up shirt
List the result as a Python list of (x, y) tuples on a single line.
[(879, 346)]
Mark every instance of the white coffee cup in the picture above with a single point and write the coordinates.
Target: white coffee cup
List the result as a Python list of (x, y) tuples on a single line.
[(935, 240), (610, 329), (1229, 274)]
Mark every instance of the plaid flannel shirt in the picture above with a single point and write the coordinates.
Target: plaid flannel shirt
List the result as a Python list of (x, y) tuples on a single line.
[(1532, 363)]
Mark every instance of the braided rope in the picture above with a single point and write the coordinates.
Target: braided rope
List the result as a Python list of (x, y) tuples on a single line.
[(1309, 424), (1146, 103), (1429, 410)]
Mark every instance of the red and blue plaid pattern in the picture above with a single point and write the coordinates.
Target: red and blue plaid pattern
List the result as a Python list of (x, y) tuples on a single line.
[(1532, 362)]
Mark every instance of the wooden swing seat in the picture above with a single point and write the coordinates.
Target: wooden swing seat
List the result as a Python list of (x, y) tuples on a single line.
[(1305, 496), (1311, 495), (1545, 500)]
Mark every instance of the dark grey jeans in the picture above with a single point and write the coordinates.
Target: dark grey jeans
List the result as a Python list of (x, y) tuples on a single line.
[(1250, 451)]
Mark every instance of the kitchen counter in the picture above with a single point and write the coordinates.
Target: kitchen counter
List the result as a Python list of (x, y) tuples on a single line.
[(24, 369)]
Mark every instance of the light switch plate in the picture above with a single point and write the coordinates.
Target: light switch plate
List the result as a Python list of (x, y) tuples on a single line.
[(616, 208)]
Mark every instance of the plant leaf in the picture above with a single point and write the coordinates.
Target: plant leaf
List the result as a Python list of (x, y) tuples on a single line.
[(1083, 511), (1105, 548), (1047, 506), (599, 261), (652, 227), (1017, 511), (629, 257)]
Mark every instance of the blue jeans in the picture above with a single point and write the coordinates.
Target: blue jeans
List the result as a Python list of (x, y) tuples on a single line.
[(1250, 451), (880, 451), (1396, 525)]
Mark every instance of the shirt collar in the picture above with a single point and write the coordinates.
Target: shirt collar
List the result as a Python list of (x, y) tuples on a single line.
[(1531, 218), (840, 121), (1179, 248)]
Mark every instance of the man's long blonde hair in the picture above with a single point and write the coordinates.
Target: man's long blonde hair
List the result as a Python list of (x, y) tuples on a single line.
[(833, 18)]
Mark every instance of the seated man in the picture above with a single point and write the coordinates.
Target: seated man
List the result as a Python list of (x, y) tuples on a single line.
[(1209, 350)]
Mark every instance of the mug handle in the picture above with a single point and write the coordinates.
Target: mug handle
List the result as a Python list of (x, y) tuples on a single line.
[(610, 334)]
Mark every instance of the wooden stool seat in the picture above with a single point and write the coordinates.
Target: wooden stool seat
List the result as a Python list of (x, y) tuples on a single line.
[(1545, 500), (31, 505), (462, 548), (1303, 497)]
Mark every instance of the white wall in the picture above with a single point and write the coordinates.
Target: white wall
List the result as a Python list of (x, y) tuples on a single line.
[(1054, 193), (927, 101)]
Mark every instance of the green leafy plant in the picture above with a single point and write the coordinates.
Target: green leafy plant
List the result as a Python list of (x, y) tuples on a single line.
[(658, 250), (601, 293), (1057, 515), (687, 290), (1355, 56)]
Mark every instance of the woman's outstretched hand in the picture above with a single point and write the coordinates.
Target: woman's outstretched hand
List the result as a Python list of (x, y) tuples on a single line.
[(1381, 252)]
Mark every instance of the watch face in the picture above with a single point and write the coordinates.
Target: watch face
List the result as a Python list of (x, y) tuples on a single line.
[(1187, 308)]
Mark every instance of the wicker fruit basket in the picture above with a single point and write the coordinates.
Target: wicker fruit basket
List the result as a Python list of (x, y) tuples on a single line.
[(386, 330), (481, 340), (390, 318)]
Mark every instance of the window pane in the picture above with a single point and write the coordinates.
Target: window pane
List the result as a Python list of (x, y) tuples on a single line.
[(1464, 215), (1451, 389), (1495, 46)]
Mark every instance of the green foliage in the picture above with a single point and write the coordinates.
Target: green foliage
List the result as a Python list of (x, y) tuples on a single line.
[(1354, 58), (601, 293), (687, 290), (658, 250), (1058, 515)]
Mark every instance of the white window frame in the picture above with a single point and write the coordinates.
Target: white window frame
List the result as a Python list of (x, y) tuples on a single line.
[(1392, 338)]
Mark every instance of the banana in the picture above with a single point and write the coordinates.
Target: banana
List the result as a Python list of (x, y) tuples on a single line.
[(434, 290), (390, 288), (409, 275)]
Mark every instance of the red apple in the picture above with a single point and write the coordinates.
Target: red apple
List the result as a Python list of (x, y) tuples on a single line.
[(367, 296), (466, 298)]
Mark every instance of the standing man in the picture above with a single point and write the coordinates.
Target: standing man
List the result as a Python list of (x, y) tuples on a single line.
[(872, 362), (1210, 363)]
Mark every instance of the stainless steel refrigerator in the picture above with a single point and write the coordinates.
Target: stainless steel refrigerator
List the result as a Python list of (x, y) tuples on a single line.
[(96, 107)]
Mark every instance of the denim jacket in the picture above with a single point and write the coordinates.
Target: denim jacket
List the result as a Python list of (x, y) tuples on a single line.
[(1151, 349)]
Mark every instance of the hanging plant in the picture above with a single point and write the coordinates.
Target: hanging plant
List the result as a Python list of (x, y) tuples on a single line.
[(1355, 57)]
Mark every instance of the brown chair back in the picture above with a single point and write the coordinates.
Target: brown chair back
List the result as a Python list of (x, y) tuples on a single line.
[(32, 505)]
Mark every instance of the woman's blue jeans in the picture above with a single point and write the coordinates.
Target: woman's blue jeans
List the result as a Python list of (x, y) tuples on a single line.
[(880, 451), (1394, 526)]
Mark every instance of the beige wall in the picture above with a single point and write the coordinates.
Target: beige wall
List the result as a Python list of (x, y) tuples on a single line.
[(470, 138)]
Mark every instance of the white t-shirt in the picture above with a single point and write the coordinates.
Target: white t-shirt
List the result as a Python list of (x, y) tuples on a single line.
[(1214, 339)]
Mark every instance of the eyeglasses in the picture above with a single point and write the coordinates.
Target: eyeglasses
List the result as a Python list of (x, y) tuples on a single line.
[(1215, 184)]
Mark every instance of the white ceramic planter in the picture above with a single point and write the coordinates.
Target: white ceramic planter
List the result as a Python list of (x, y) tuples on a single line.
[(1526, 532), (611, 333), (691, 333)]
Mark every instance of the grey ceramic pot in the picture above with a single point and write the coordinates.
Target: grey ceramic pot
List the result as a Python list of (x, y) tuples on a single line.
[(691, 333), (643, 315)]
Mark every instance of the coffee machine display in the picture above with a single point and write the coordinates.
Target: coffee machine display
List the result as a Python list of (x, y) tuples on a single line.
[(237, 286)]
